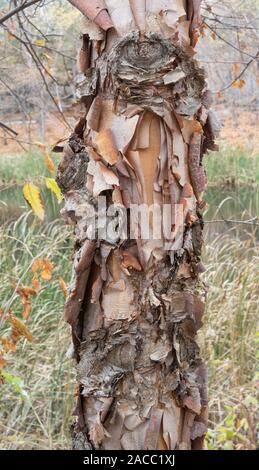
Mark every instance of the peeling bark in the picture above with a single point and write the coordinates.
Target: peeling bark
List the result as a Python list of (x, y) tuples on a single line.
[(135, 305)]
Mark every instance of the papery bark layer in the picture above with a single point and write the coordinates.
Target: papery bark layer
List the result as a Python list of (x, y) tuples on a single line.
[(135, 304)]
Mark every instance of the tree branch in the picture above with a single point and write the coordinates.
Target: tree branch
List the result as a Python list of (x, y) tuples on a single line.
[(17, 9)]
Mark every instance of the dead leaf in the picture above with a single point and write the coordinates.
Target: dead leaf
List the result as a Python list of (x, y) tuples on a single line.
[(8, 345), (239, 83), (19, 329), (236, 68), (35, 283), (49, 162), (63, 286), (2, 362), (44, 266), (25, 294)]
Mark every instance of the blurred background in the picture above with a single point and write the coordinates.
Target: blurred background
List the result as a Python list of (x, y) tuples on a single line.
[(37, 102)]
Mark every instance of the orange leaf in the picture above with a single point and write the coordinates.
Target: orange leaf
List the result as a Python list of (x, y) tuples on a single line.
[(25, 293), (8, 345), (238, 83), (26, 307), (63, 286), (2, 362), (40, 145), (43, 265), (35, 282), (49, 162), (46, 274), (47, 159), (236, 68), (19, 329), (37, 265)]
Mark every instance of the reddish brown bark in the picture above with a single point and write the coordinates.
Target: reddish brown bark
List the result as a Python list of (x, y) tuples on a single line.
[(136, 304)]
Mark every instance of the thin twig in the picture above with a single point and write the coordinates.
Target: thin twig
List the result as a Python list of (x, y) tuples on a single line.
[(8, 129), (17, 9)]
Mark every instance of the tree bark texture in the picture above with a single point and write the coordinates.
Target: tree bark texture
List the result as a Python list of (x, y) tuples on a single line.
[(135, 305)]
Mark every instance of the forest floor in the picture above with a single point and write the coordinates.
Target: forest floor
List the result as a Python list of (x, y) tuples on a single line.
[(37, 395)]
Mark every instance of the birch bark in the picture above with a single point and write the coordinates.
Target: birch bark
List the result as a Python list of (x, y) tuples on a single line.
[(136, 302)]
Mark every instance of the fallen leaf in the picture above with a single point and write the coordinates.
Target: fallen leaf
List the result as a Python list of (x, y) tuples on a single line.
[(31, 193)]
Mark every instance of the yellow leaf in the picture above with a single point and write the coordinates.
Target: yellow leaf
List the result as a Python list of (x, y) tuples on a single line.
[(32, 195), (53, 186), (49, 162), (40, 42)]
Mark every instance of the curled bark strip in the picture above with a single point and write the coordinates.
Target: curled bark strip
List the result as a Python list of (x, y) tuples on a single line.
[(197, 171), (76, 296), (138, 8), (84, 55), (193, 15), (95, 10)]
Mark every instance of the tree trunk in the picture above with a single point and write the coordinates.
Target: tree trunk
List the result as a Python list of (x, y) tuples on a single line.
[(136, 300)]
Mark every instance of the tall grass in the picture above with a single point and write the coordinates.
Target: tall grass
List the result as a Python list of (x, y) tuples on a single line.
[(37, 416), (229, 342)]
